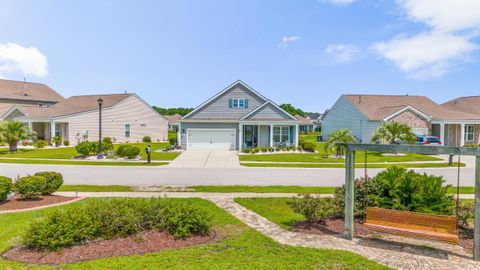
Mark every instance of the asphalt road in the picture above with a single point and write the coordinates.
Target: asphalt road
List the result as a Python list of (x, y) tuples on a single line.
[(116, 175)]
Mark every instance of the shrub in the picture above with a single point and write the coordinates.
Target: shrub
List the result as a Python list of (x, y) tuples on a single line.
[(314, 209), (128, 151), (87, 148), (132, 152), (5, 187), (66, 143), (107, 147), (26, 143), (106, 219), (246, 150), (40, 144), (264, 149), (53, 181), (309, 146), (172, 141), (147, 139), (107, 140), (254, 150), (57, 140), (29, 187), (271, 149), (363, 187), (465, 217)]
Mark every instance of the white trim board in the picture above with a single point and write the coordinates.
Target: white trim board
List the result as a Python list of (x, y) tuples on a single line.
[(408, 108)]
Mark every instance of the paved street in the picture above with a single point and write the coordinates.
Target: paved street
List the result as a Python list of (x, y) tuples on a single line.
[(116, 175)]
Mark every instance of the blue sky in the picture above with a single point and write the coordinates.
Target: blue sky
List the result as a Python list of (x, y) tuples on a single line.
[(304, 52)]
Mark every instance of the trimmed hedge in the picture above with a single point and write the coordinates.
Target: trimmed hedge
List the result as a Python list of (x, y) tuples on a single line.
[(5, 187), (87, 148), (53, 181), (30, 187), (128, 151), (110, 218), (40, 144), (147, 139)]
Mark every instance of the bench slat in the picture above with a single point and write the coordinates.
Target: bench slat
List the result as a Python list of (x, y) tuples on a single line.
[(436, 227)]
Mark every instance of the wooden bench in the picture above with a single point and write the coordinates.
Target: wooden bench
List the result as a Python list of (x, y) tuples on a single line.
[(405, 223)]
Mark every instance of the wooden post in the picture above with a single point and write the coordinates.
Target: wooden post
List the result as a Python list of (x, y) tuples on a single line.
[(349, 193), (476, 243)]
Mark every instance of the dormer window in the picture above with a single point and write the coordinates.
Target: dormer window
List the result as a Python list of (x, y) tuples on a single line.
[(238, 103)]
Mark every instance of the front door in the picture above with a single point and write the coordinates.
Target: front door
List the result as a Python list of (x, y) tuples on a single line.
[(250, 134)]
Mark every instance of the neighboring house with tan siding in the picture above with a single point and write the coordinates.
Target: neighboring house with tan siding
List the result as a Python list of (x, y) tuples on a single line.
[(125, 117), (364, 113)]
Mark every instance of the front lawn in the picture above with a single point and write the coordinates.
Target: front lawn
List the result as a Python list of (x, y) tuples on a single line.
[(358, 165), (265, 189), (243, 248), (79, 162), (94, 188), (69, 152)]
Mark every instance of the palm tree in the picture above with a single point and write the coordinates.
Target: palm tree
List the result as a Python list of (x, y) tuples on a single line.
[(393, 133), (12, 132), (339, 136)]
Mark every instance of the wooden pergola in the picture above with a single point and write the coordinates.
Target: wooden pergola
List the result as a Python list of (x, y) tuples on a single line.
[(419, 149)]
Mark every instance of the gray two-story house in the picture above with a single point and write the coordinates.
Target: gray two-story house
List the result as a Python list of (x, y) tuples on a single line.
[(237, 117)]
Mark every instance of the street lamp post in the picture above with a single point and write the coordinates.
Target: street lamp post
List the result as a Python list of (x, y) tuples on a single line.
[(100, 102)]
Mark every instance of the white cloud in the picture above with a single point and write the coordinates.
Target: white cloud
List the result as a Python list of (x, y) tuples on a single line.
[(339, 2), (449, 41), (287, 40), (342, 52), (427, 54), (28, 61)]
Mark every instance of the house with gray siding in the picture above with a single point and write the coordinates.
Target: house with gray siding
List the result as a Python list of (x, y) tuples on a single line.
[(125, 117), (362, 114), (237, 117)]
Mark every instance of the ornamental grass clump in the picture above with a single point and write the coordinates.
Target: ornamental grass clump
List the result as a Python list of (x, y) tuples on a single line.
[(5, 187), (111, 218)]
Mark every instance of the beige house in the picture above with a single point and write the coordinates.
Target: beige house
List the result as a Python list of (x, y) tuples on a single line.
[(364, 113), (125, 117)]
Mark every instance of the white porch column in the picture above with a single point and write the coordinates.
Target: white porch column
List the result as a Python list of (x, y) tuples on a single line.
[(30, 126), (240, 137), (52, 130), (271, 135), (442, 134), (296, 135), (462, 134)]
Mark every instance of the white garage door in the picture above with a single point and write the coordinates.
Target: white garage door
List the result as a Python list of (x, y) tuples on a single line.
[(211, 139)]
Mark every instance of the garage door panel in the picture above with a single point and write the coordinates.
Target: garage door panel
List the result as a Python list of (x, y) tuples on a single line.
[(211, 139)]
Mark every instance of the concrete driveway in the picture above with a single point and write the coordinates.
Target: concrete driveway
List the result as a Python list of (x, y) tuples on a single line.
[(206, 159)]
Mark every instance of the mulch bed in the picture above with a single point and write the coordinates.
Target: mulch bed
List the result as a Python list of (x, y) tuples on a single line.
[(150, 241), (16, 202)]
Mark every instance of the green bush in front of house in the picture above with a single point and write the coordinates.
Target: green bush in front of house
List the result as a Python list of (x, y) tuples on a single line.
[(87, 148), (128, 151), (110, 218), (147, 139), (53, 181), (57, 141), (314, 209), (40, 144), (66, 143), (30, 187), (5, 187)]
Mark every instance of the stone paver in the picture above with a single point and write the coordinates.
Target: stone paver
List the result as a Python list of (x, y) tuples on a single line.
[(392, 258)]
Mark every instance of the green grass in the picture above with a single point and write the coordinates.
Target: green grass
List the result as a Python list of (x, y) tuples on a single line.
[(69, 152), (243, 248), (79, 162), (273, 209), (94, 188), (463, 190), (342, 165), (265, 189), (309, 137)]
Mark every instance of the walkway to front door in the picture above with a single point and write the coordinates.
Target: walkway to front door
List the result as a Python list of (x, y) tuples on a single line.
[(206, 159)]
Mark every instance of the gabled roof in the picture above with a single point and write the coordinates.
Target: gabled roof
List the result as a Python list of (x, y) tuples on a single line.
[(313, 116), (228, 88), (379, 107), (264, 105), (173, 118), (464, 104), (303, 120), (28, 91)]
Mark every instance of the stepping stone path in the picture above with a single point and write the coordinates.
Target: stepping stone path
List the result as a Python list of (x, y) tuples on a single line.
[(399, 259)]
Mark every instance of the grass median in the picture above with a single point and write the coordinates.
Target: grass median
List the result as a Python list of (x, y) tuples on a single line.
[(342, 165), (79, 162)]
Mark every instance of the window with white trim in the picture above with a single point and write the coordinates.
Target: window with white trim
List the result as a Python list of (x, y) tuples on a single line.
[(469, 133), (238, 103), (127, 130), (281, 134)]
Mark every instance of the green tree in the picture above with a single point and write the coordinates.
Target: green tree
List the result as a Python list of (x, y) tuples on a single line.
[(393, 133), (339, 136), (172, 111), (291, 109), (11, 132)]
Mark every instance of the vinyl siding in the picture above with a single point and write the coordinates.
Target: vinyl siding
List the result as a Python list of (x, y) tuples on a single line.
[(344, 114), (269, 112), (219, 109), (185, 126), (142, 119)]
